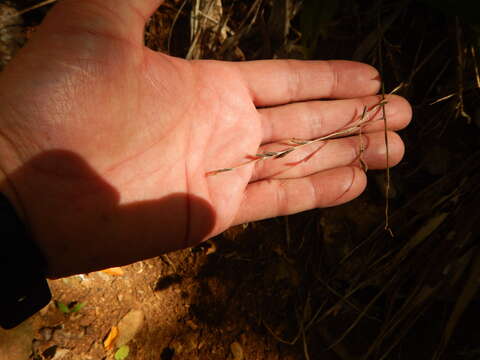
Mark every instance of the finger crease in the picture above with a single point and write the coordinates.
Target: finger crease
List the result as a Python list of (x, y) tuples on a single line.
[(293, 82), (335, 79), (316, 120)]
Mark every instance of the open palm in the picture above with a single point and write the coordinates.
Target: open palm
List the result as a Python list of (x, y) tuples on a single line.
[(110, 142)]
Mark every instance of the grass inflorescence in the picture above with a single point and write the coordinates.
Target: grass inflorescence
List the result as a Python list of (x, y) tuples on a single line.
[(296, 144)]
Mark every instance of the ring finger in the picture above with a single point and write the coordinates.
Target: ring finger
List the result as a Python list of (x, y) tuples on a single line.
[(330, 154)]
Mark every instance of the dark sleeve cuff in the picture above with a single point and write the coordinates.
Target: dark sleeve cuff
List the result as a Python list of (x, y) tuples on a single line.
[(23, 288)]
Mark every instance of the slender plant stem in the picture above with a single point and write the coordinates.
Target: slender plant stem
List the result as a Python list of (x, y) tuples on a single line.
[(384, 115), (297, 143), (39, 5)]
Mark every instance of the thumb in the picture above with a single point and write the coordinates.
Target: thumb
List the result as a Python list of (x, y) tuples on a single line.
[(115, 19)]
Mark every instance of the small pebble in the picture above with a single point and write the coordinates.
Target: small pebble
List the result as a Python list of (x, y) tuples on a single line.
[(46, 333)]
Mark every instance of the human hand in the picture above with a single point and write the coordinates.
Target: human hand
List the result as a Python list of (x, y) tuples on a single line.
[(106, 144)]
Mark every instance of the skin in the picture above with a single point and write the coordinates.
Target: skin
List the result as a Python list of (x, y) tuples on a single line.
[(105, 144)]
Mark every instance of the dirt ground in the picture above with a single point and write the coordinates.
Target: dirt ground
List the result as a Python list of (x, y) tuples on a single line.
[(325, 284), (230, 296)]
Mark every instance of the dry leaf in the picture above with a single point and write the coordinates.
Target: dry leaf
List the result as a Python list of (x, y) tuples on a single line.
[(129, 326), (112, 335), (114, 271), (237, 351), (213, 247)]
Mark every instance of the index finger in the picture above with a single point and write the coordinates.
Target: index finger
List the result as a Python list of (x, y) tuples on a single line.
[(275, 82)]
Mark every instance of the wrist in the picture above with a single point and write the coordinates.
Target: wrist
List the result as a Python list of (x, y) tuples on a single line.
[(7, 189), (7, 186), (25, 290)]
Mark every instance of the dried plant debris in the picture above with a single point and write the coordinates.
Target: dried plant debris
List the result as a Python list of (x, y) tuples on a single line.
[(12, 36), (227, 30), (206, 27)]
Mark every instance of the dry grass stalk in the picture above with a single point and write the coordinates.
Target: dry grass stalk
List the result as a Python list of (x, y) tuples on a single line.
[(443, 98), (425, 61), (384, 115), (387, 173), (460, 108), (475, 66), (205, 17), (357, 127), (362, 146), (231, 43), (37, 6), (174, 22)]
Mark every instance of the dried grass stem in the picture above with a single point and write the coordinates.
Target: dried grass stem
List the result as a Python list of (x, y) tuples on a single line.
[(298, 143)]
